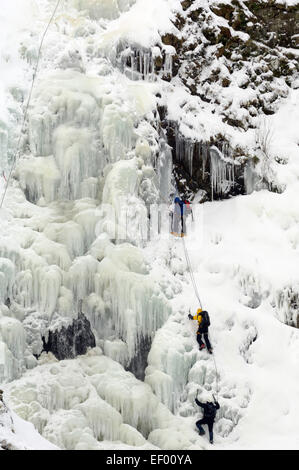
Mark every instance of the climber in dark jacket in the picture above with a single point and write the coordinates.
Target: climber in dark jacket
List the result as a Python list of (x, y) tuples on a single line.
[(209, 414)]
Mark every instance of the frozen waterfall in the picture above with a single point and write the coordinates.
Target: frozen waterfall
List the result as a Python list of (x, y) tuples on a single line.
[(96, 347)]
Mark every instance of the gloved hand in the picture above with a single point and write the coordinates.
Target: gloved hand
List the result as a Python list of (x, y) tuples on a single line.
[(190, 316)]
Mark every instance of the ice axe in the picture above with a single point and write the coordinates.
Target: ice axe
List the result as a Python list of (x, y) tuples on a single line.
[(214, 397)]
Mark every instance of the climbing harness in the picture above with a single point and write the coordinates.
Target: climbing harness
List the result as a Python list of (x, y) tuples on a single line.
[(198, 298), (16, 154)]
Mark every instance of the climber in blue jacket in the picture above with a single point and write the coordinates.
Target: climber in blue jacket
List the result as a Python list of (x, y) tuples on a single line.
[(179, 218)]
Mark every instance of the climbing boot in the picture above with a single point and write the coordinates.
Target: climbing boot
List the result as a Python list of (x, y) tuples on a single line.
[(201, 431), (211, 351), (202, 346)]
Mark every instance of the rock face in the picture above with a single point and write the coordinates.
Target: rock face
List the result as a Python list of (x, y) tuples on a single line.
[(199, 165), (272, 23), (139, 363), (237, 61), (254, 29), (67, 343)]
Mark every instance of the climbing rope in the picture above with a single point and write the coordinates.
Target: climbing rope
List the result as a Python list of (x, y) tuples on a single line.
[(216, 372), (191, 273), (198, 297), (17, 152)]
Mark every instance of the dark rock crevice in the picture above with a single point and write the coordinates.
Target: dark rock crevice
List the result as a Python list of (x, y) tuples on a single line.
[(71, 341), (138, 364), (193, 166)]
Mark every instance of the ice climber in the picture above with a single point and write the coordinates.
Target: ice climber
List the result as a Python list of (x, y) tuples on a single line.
[(179, 218), (209, 414), (203, 328)]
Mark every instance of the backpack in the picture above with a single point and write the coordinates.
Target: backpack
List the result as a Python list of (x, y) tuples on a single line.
[(205, 319), (210, 411)]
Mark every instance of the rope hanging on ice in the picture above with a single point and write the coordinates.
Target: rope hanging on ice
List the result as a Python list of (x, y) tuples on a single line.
[(191, 273), (16, 155), (198, 297)]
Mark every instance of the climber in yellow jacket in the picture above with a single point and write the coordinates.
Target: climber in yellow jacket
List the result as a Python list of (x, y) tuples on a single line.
[(203, 328)]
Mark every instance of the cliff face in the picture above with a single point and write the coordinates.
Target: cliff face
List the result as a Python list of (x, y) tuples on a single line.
[(273, 24), (238, 60)]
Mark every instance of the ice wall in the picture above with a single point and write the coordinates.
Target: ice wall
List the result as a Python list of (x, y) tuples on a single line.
[(140, 63), (209, 164), (76, 129), (16, 434), (103, 9), (84, 403), (87, 173)]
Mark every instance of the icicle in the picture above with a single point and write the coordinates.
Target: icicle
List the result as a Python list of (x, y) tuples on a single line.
[(136, 309), (169, 54), (7, 277), (185, 149), (222, 172), (204, 156), (164, 170), (249, 177)]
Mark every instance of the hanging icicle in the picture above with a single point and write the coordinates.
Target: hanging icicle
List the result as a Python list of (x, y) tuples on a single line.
[(222, 175)]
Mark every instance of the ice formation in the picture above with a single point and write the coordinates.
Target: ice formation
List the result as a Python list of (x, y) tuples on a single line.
[(222, 172), (104, 8), (83, 131), (17, 434), (79, 404)]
